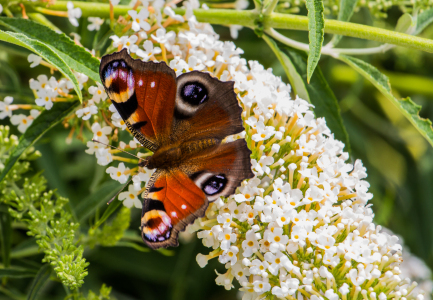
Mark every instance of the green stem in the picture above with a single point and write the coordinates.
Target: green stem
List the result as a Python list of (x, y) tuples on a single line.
[(335, 52), (270, 7), (274, 20)]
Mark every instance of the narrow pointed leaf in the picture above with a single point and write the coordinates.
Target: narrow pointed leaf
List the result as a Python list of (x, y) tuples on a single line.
[(407, 107), (96, 199), (5, 237), (108, 212), (316, 31), (17, 273), (76, 57), (423, 20), (44, 51), (44, 122), (404, 23), (295, 79), (41, 278), (319, 92)]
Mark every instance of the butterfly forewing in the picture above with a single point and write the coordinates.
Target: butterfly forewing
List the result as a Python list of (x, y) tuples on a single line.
[(143, 94)]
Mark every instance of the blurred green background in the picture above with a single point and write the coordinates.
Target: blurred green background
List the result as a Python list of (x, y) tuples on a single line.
[(398, 159)]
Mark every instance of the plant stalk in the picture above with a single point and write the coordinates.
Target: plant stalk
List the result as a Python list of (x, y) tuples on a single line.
[(247, 18)]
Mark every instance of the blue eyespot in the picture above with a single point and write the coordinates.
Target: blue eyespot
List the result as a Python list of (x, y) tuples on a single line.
[(194, 93), (214, 184)]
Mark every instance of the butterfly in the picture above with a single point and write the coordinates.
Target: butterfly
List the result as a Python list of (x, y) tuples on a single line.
[(183, 121)]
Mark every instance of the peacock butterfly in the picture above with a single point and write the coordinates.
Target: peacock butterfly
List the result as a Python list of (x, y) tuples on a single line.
[(183, 121)]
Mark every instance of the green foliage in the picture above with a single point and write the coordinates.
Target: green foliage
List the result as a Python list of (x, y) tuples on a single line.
[(110, 234), (44, 51), (47, 120), (46, 217), (347, 8), (104, 293), (406, 106), (319, 92), (75, 57), (316, 24)]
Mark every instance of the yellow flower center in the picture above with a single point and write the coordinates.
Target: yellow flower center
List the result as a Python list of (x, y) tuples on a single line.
[(296, 236), (247, 196), (99, 133), (99, 92), (250, 215), (266, 244), (24, 121), (277, 238), (283, 219), (227, 236), (263, 135), (132, 196), (231, 254), (277, 261), (119, 173), (250, 243)]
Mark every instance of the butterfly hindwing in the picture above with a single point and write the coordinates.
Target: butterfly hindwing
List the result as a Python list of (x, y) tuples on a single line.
[(171, 203), (143, 94), (180, 196)]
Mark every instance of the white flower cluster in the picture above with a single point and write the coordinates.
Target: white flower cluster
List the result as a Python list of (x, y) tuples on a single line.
[(302, 227)]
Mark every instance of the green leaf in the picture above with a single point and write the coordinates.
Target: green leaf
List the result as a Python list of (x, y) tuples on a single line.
[(133, 246), (319, 92), (347, 8), (96, 199), (44, 122), (17, 272), (76, 57), (108, 212), (295, 79), (405, 23), (316, 31), (423, 20), (41, 278), (44, 51), (407, 107), (5, 237)]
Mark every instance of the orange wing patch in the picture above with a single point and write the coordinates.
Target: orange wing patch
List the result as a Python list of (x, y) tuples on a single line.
[(172, 203), (144, 95)]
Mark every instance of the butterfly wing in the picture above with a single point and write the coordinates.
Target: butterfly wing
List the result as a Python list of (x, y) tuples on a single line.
[(143, 94), (179, 196), (205, 107), (172, 202)]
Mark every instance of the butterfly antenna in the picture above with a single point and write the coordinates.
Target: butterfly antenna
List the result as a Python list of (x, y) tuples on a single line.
[(119, 191), (96, 141)]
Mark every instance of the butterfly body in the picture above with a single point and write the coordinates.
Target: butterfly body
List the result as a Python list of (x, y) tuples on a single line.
[(173, 155), (183, 121)]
